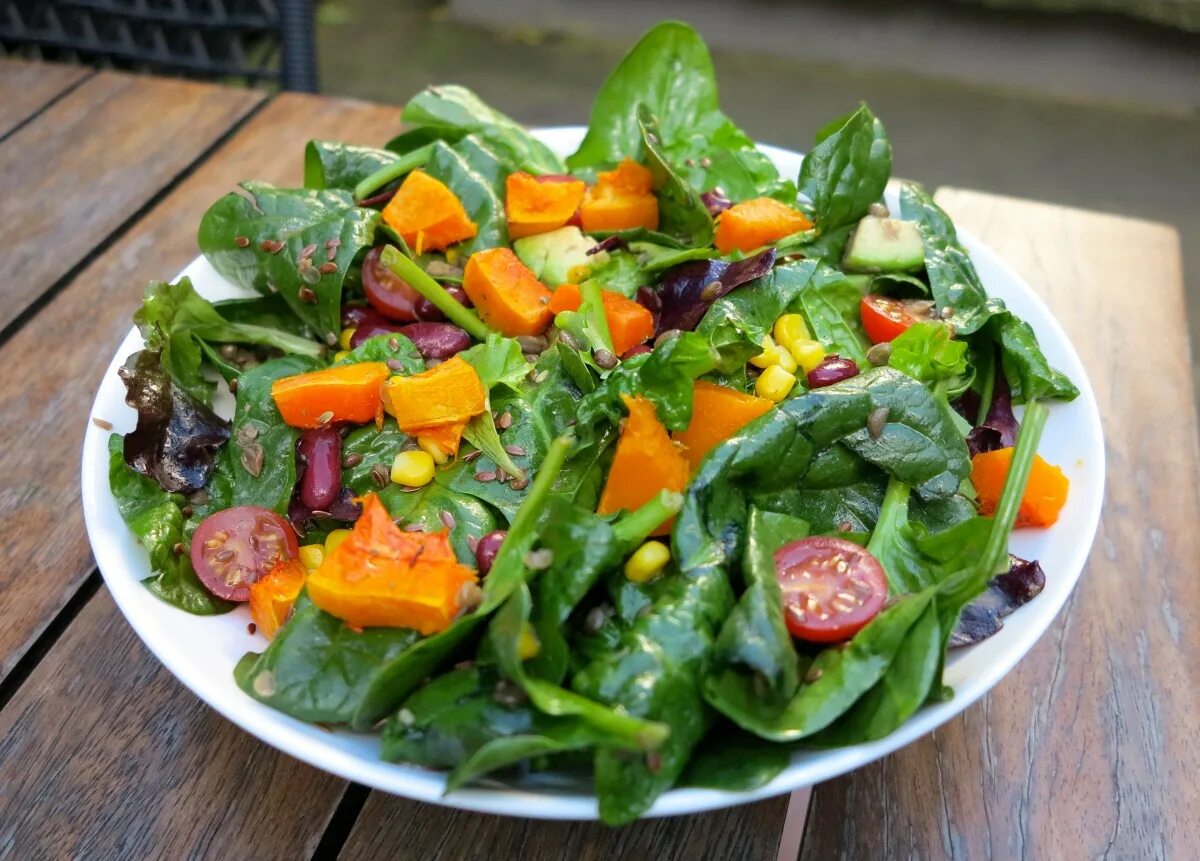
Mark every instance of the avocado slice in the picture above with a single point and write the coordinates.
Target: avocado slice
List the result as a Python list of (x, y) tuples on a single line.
[(553, 255), (884, 245)]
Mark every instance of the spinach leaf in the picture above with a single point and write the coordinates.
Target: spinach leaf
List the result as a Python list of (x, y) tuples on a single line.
[(451, 112), (1029, 374), (622, 272), (665, 376), (733, 761), (257, 242), (317, 668), (830, 303), (846, 170), (670, 72), (926, 352), (681, 211), (270, 311), (753, 658), (736, 323), (331, 164), (262, 449), (177, 321), (499, 361), (473, 173), (157, 521), (395, 348)]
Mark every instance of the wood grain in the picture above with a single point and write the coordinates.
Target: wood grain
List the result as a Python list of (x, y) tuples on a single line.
[(1087, 749), (52, 365), (103, 754), (393, 827), (81, 168), (26, 87)]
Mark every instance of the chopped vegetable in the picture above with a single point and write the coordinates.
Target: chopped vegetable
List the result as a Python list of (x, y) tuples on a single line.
[(345, 393), (312, 555), (718, 412), (412, 468), (273, 594), (441, 442), (1045, 494), (754, 223), (233, 548), (647, 562), (629, 323), (382, 576), (774, 384), (646, 462), (447, 393), (506, 293), (885, 318), (536, 206), (831, 588), (427, 215), (621, 199)]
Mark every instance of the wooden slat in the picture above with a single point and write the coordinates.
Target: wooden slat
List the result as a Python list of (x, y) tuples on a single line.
[(395, 828), (103, 754), (26, 87), (1088, 748), (52, 365), (82, 167)]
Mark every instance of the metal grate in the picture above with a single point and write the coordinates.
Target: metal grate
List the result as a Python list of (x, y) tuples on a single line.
[(254, 41)]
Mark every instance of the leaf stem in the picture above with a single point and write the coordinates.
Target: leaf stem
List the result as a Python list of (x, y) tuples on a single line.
[(1032, 424), (892, 513), (593, 306), (636, 526), (410, 161), (395, 260)]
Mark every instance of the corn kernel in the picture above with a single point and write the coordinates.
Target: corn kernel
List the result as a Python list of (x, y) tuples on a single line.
[(769, 355), (786, 360), (413, 468), (807, 353), (334, 538), (579, 273), (647, 561), (433, 449), (452, 255), (791, 328), (340, 354), (345, 336), (528, 644), (774, 384), (312, 555)]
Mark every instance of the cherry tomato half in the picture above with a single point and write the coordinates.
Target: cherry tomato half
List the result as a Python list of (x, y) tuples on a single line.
[(233, 548), (886, 318), (389, 294), (831, 588)]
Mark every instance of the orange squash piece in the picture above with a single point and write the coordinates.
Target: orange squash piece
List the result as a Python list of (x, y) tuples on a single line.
[(718, 412), (382, 576), (534, 206), (646, 462), (273, 594), (445, 394), (427, 214), (754, 223), (347, 393), (1045, 493), (442, 441), (506, 293), (628, 322), (622, 198)]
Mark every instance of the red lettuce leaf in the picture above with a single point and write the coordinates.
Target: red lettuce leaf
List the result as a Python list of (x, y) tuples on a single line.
[(687, 290), (983, 617)]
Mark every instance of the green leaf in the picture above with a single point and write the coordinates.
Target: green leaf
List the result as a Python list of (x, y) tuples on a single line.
[(473, 173), (682, 213), (298, 218), (731, 760), (499, 361), (846, 170), (331, 164), (157, 521), (830, 303), (395, 348), (926, 352), (451, 112)]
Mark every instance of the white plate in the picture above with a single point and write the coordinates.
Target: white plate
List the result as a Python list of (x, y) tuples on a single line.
[(201, 651)]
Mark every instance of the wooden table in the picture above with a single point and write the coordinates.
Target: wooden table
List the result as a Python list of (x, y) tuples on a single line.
[(1085, 750)]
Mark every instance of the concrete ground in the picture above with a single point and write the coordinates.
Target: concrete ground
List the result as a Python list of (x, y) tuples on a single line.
[(1096, 113)]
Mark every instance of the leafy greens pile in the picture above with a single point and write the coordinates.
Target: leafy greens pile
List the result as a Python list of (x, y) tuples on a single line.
[(691, 678)]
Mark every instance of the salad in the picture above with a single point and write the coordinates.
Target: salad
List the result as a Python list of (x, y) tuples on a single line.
[(648, 465)]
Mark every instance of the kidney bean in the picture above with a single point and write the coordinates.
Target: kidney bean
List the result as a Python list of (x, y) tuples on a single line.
[(487, 548), (321, 483), (833, 369), (427, 312), (636, 350), (436, 340)]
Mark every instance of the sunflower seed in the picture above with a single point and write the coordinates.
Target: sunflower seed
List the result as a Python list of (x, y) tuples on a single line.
[(395, 365), (505, 421), (532, 343), (606, 359), (380, 475), (711, 291), (876, 421), (472, 456), (351, 460), (485, 476), (103, 424), (515, 450), (252, 458)]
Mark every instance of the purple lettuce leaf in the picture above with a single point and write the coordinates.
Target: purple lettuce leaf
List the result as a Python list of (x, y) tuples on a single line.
[(983, 617), (716, 201), (176, 437), (999, 428), (687, 290)]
